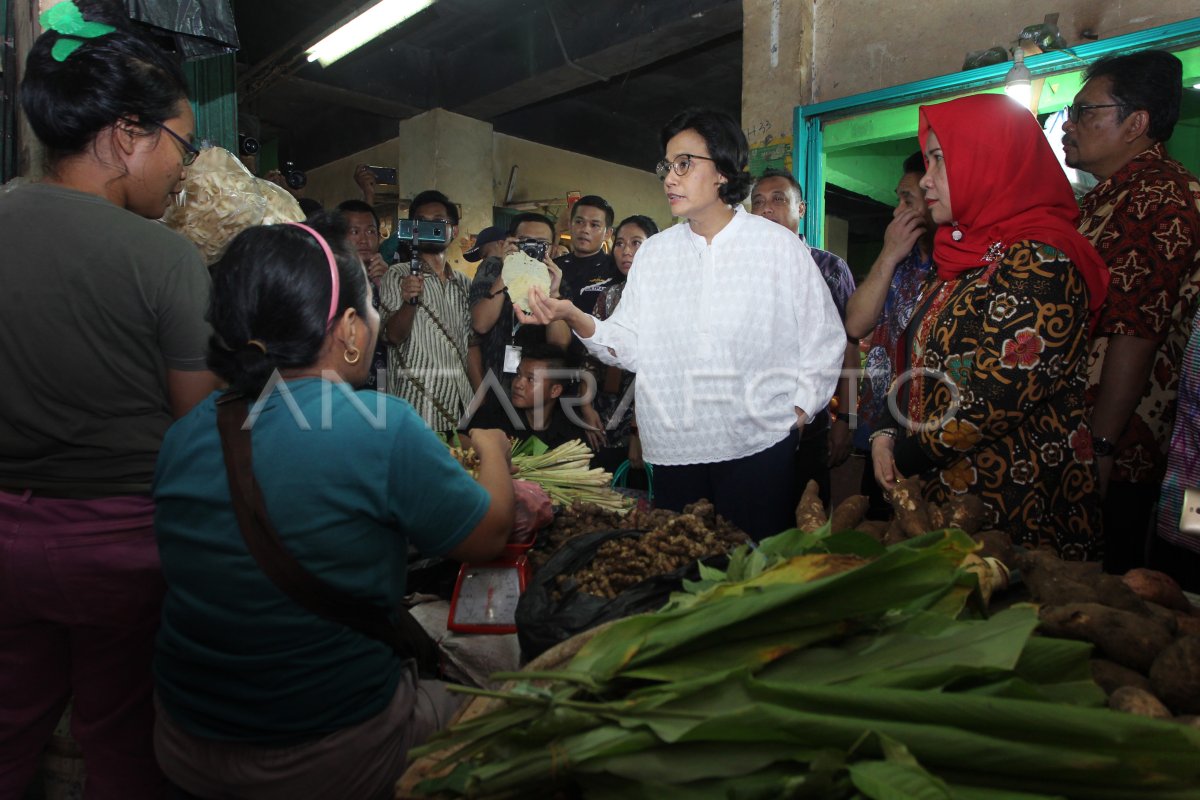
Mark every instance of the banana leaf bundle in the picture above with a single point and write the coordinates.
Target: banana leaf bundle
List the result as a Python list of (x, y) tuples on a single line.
[(822, 666)]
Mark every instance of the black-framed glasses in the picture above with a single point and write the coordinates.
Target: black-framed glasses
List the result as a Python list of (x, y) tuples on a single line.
[(190, 151), (681, 165), (1075, 110)]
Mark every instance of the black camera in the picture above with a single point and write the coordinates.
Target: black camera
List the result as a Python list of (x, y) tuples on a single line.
[(295, 178), (534, 248), (248, 145)]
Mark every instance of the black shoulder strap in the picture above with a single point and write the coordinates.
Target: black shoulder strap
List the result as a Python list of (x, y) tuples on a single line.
[(405, 635)]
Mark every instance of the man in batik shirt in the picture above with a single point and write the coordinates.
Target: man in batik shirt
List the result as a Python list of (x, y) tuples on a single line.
[(882, 306), (1144, 218)]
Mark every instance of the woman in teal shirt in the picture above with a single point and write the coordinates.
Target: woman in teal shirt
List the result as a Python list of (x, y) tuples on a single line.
[(257, 696)]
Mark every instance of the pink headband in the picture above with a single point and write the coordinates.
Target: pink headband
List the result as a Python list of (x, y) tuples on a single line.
[(333, 270)]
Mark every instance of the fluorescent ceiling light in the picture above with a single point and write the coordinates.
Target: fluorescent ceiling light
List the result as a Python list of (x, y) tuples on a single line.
[(375, 21)]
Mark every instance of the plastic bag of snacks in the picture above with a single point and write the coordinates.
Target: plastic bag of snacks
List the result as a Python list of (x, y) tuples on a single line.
[(221, 199)]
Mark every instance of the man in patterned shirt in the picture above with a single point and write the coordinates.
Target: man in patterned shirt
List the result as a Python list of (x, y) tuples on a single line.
[(1144, 218), (428, 338), (825, 443), (882, 306)]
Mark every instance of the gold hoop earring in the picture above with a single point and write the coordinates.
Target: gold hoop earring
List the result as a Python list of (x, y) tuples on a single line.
[(351, 359)]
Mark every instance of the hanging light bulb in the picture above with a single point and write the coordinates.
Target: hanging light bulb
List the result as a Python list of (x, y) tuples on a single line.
[(1018, 84)]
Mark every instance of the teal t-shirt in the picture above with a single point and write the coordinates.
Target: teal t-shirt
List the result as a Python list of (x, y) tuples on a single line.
[(350, 479)]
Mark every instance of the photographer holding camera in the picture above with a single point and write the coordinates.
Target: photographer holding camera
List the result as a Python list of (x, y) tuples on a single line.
[(292, 179), (501, 337), (425, 319)]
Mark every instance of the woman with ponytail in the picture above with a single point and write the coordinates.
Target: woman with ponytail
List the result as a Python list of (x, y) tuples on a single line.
[(259, 696), (102, 339)]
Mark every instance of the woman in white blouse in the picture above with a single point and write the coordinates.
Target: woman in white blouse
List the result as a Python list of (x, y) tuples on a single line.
[(730, 329)]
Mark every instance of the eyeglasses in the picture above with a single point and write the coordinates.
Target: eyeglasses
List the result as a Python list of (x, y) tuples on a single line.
[(681, 165), (190, 150), (1075, 110)]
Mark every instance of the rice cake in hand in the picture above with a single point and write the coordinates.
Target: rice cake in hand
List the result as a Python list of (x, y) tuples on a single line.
[(521, 273)]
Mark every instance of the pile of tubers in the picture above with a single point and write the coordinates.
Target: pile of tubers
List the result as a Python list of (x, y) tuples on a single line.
[(580, 518), (914, 516), (574, 520), (671, 541), (1145, 631)]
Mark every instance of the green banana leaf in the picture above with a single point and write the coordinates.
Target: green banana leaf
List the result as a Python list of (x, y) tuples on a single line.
[(785, 597), (782, 684)]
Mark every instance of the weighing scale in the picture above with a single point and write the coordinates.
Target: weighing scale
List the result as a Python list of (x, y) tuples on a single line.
[(485, 595)]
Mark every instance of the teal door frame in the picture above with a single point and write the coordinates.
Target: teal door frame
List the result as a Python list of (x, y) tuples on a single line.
[(8, 95), (808, 121)]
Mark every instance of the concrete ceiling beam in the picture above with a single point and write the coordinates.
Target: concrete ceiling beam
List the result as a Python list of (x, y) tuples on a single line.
[(598, 46)]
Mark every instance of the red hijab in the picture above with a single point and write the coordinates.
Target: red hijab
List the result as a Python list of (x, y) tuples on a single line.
[(1005, 186)]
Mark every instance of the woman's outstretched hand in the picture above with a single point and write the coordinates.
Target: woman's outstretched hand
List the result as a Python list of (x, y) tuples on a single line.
[(544, 310)]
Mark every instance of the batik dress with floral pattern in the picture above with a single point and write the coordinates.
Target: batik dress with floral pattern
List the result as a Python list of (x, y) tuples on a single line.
[(999, 410), (614, 407)]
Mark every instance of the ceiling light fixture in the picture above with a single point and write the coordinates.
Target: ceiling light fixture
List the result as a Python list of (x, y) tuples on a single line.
[(1018, 84), (375, 21)]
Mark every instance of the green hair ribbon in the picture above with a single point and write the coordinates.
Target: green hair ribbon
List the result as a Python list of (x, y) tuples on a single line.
[(66, 20)]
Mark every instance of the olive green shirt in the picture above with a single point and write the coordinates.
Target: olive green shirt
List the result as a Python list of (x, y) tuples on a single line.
[(96, 304)]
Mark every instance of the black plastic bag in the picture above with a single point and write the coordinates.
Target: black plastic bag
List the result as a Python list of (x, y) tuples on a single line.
[(201, 28), (543, 622)]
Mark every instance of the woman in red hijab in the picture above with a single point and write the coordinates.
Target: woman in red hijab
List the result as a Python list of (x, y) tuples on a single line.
[(992, 400)]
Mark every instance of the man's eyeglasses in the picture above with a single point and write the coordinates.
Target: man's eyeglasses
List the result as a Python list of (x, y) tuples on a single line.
[(681, 165), (1075, 110)]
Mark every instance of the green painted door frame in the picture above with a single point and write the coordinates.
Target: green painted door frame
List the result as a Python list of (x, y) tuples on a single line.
[(8, 95), (213, 83), (808, 157)]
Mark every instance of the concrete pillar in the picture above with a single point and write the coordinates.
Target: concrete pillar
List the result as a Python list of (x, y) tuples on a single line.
[(452, 153), (777, 55)]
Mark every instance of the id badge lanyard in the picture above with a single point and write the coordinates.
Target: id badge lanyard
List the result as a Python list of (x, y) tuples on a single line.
[(512, 353)]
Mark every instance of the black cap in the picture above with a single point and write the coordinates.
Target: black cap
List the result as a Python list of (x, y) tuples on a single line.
[(483, 238)]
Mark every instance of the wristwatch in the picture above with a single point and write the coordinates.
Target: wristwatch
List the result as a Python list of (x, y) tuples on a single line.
[(1103, 448)]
